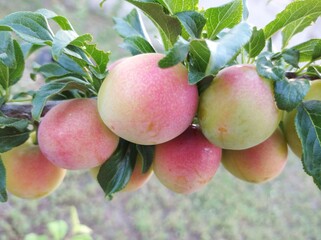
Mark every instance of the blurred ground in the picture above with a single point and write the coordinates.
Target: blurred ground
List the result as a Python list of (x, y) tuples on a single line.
[(286, 208)]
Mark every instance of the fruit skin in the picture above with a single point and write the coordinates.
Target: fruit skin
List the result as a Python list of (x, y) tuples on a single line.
[(260, 163), (237, 110), (186, 163), (289, 118), (72, 135), (145, 104), (29, 174), (137, 179)]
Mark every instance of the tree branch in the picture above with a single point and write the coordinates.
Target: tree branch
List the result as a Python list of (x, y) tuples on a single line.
[(23, 111)]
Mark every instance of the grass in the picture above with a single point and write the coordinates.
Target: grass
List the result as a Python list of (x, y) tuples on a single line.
[(285, 208)]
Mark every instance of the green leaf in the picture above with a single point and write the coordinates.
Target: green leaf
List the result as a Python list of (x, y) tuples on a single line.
[(292, 57), (7, 56), (130, 25), (168, 26), (147, 154), (52, 70), (290, 93), (82, 237), (270, 68), (71, 64), (226, 48), (199, 57), (295, 27), (193, 22), (10, 137), (309, 50), (15, 74), (11, 75), (77, 227), (4, 76), (256, 44), (245, 11), (61, 40), (115, 173), (195, 76), (2, 101), (137, 45), (200, 54), (3, 191), (29, 48), (31, 27), (175, 6), (208, 57), (308, 125), (294, 18), (58, 229), (51, 89), (176, 55), (60, 20), (225, 16), (33, 236), (314, 71), (100, 57), (18, 123)]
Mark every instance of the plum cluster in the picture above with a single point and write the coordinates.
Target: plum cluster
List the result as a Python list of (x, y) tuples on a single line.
[(234, 121)]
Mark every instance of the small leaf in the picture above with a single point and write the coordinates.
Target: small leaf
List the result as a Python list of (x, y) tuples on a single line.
[(33, 236), (176, 55), (18, 123), (168, 26), (147, 154), (309, 50), (269, 68), (82, 237), (60, 20), (61, 40), (4, 76), (226, 48), (51, 89), (10, 137), (245, 11), (137, 45), (193, 22), (71, 64), (199, 57), (292, 57), (11, 75), (52, 70), (115, 173), (58, 229), (29, 48), (225, 16), (89, 52), (130, 25), (77, 227), (175, 6), (7, 56), (314, 71), (295, 17), (17, 72), (308, 125), (256, 44), (295, 27), (31, 27), (3, 191), (290, 93), (195, 76)]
